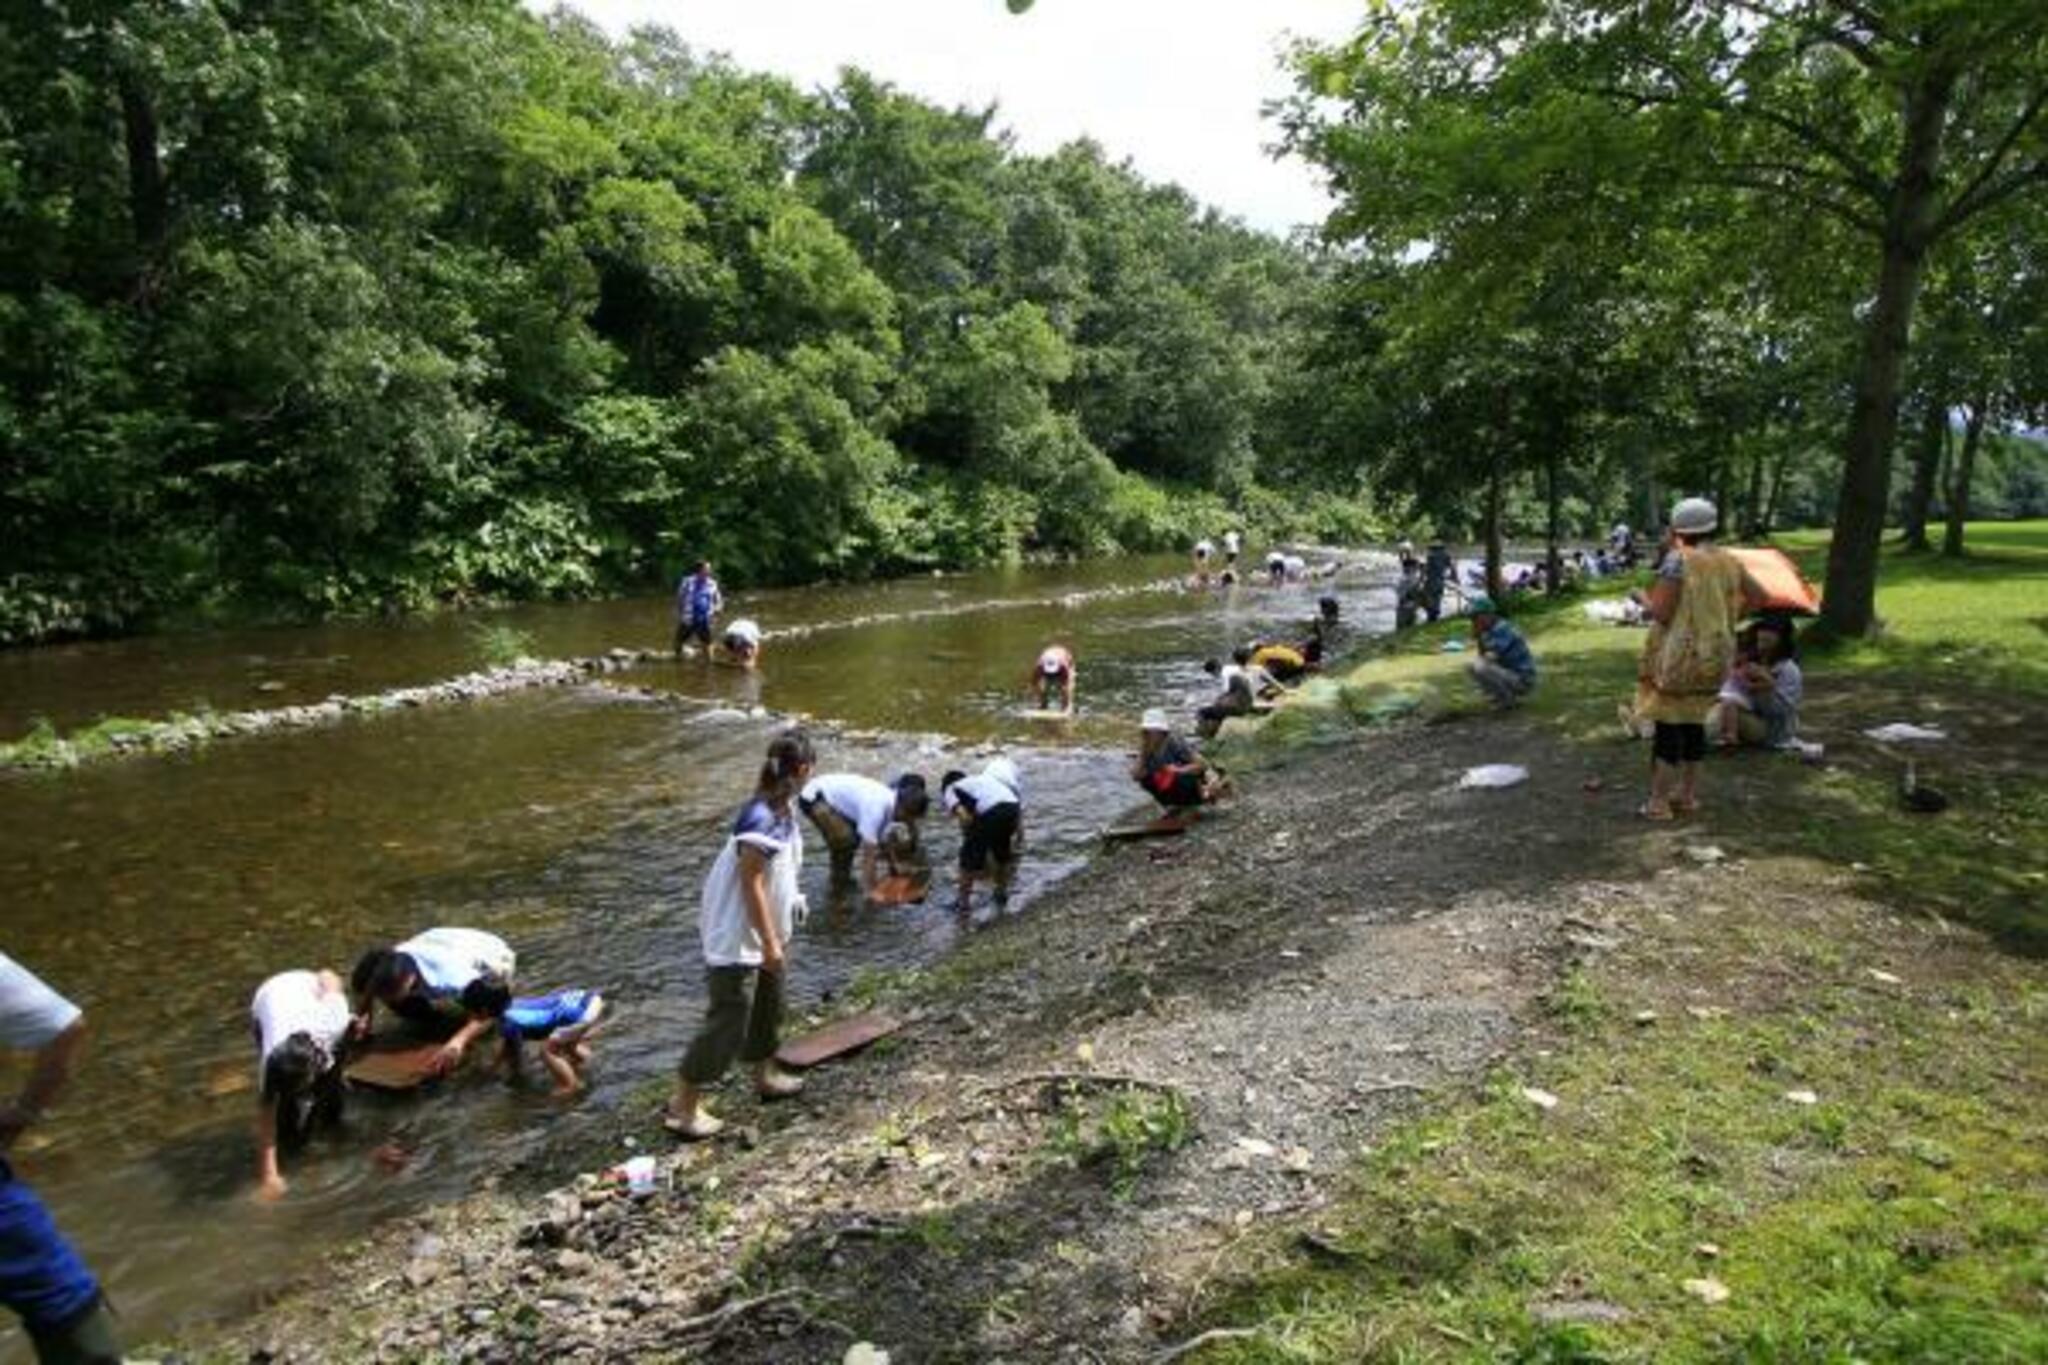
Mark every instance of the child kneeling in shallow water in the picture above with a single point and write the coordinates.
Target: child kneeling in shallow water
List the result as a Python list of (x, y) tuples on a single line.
[(562, 1022)]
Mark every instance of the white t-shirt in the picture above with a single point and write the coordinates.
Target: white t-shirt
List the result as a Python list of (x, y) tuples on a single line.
[(985, 790), (31, 1014), (1251, 679), (1296, 566), (449, 959), (865, 804), (296, 1002), (723, 924), (1203, 549), (1230, 542), (744, 630), (1055, 660)]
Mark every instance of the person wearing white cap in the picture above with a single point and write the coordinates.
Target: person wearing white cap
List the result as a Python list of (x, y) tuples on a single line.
[(1055, 668), (989, 807), (1169, 770), (1700, 594), (742, 642)]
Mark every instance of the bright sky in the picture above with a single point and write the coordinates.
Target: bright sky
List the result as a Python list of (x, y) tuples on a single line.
[(1174, 85)]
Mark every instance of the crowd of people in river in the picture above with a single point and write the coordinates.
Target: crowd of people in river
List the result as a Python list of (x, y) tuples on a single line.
[(1699, 674)]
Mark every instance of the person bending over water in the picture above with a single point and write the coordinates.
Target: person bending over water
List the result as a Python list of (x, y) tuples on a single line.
[(301, 1022), (989, 807), (1244, 683), (1171, 772), (1055, 669), (741, 644), (857, 814), (751, 908), (422, 979), (562, 1022)]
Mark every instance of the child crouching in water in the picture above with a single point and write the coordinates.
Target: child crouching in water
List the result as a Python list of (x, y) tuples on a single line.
[(562, 1022)]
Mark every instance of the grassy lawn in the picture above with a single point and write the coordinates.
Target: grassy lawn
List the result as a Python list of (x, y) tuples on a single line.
[(1795, 1125)]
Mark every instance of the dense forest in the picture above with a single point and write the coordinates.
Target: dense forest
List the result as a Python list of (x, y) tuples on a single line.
[(333, 305), (314, 306)]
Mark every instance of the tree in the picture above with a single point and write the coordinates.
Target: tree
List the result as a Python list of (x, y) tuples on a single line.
[(1903, 123)]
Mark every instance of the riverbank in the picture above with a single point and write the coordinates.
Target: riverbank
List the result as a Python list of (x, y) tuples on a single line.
[(1367, 1066)]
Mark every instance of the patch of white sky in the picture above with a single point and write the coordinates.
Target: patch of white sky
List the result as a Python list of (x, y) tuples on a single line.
[(1177, 87)]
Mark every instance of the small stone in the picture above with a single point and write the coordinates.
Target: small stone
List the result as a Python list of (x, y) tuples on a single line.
[(1708, 1290), (1710, 1250), (1542, 1099), (1802, 1097), (573, 1262), (1886, 977), (865, 1353), (1300, 1160), (1645, 1018), (1706, 855), (1252, 1146)]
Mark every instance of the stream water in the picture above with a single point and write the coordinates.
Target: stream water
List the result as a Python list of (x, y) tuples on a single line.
[(577, 822)]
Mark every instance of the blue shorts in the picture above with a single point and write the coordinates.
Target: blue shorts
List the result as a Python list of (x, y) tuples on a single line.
[(530, 1018), (41, 1277)]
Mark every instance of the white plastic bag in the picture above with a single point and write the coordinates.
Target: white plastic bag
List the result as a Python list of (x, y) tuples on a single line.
[(1491, 776), (1899, 732)]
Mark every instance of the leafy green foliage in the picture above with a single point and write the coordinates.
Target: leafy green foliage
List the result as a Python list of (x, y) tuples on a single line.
[(332, 307)]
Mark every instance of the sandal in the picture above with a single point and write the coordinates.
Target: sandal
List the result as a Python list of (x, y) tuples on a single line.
[(777, 1084), (693, 1129), (1655, 811)]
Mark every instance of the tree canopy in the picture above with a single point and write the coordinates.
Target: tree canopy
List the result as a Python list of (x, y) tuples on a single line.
[(318, 305)]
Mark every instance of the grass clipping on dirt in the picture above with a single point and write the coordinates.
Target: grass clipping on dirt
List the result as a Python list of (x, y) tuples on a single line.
[(1802, 1131), (1789, 1122)]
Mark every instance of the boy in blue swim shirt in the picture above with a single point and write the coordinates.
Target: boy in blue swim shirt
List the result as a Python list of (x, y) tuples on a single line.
[(562, 1022)]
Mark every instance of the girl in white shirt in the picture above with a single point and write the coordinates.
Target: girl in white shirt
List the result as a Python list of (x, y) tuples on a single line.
[(751, 907), (300, 1021)]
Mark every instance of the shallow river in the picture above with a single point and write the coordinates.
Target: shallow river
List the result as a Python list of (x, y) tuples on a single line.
[(576, 822)]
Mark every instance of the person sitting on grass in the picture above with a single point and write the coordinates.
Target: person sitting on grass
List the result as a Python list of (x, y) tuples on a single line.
[(1173, 774), (562, 1022), (1760, 704), (301, 1023), (1506, 668), (857, 814), (989, 807)]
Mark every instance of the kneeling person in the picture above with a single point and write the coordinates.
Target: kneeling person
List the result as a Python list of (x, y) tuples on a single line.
[(562, 1022), (741, 643), (422, 979), (856, 814), (1506, 668), (301, 1021)]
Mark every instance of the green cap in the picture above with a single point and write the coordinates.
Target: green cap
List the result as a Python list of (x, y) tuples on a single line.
[(1479, 604)]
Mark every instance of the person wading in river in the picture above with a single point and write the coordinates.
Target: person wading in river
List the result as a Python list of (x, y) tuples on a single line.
[(698, 602), (422, 979), (856, 814), (989, 807), (301, 1021), (751, 907), (41, 1278)]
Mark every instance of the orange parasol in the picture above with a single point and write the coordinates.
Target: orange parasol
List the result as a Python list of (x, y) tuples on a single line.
[(1783, 587)]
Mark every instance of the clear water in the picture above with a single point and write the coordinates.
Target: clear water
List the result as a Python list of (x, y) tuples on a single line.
[(576, 822)]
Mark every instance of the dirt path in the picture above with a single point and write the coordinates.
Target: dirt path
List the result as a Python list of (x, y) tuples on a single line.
[(1353, 936)]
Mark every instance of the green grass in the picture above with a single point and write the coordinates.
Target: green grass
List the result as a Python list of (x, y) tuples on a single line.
[(1904, 1217)]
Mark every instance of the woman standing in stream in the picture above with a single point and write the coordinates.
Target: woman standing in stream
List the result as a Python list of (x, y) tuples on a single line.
[(751, 909)]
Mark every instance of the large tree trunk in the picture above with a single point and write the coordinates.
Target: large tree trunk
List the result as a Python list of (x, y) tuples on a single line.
[(1495, 587), (1769, 521), (1753, 503), (1959, 485), (149, 200), (1926, 463), (1553, 577), (1850, 605)]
